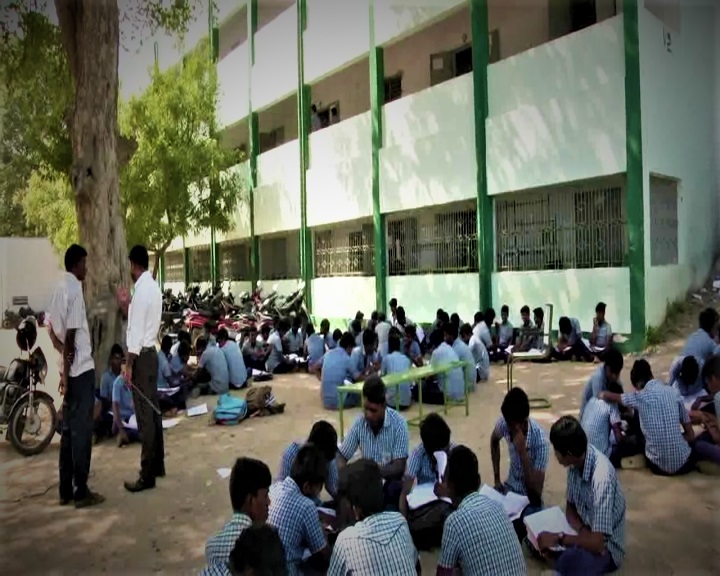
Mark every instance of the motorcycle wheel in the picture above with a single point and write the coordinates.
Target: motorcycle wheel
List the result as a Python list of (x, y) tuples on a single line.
[(18, 423)]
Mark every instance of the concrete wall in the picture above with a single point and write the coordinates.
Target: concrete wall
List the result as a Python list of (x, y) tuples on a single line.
[(277, 197), (422, 295), (343, 297)]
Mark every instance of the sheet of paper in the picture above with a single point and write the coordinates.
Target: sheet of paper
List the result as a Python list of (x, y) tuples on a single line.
[(513, 503), (170, 423), (549, 520), (327, 511), (421, 495), (165, 392), (441, 459), (131, 424), (224, 472), (197, 410)]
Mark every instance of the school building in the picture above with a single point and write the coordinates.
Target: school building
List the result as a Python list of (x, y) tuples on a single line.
[(468, 153)]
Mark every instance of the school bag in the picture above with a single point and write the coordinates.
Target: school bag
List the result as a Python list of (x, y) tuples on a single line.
[(230, 410)]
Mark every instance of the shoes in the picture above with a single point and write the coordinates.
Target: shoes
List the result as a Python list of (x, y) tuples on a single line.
[(91, 499), (139, 485)]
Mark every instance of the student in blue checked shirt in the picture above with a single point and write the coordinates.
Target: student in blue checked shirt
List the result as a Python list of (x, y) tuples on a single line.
[(379, 542), (249, 484), (365, 357), (595, 507), (478, 538), (608, 373), (258, 552), (293, 512), (701, 343)]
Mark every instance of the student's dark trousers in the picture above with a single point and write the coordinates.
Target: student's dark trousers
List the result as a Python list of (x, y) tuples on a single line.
[(579, 350), (76, 438), (145, 375)]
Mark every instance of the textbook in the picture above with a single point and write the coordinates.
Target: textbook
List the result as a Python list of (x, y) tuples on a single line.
[(513, 503), (549, 520)]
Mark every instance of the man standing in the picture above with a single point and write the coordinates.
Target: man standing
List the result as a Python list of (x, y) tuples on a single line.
[(141, 372), (70, 329)]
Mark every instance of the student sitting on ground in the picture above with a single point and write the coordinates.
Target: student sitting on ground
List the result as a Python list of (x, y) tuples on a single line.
[(258, 552), (211, 375), (382, 329), (526, 337), (600, 419), (529, 453), (434, 437), (381, 435), (182, 336), (336, 335), (293, 512), (701, 343), (123, 409), (505, 330), (464, 355), (481, 330), (662, 416), (685, 377), (168, 403), (379, 542), (478, 537), (249, 486), (356, 330), (164, 361), (479, 354), (254, 352), (179, 376), (326, 334), (601, 336), (395, 362), (104, 421), (237, 372), (208, 335), (314, 347), (373, 320), (595, 506), (411, 346), (366, 357), (608, 373), (276, 362), (496, 354), (433, 390), (294, 338), (570, 344), (707, 445), (324, 436), (333, 369), (539, 320)]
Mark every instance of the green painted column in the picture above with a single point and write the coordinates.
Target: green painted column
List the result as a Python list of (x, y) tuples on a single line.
[(186, 265), (377, 100), (484, 205), (635, 203), (303, 114), (214, 35), (161, 273), (254, 143), (213, 257)]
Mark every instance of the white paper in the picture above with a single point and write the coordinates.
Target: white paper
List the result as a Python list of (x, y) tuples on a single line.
[(347, 382), (256, 372), (327, 511), (170, 423), (131, 424), (549, 520), (513, 503), (441, 459), (168, 391), (224, 472), (197, 410), (421, 495)]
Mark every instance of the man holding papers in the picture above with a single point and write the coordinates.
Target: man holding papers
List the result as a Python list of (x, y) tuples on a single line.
[(595, 506)]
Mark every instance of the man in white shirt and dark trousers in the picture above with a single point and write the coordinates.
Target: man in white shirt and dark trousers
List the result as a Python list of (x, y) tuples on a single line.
[(70, 327), (142, 369)]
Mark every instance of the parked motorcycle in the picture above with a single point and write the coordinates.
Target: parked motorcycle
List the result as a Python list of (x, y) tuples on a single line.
[(21, 403)]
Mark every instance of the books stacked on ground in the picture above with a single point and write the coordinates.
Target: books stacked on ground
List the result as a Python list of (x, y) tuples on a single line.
[(513, 503), (549, 520)]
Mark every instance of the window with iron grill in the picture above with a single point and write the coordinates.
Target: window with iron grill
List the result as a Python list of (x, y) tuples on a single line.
[(393, 88), (200, 266), (346, 251), (279, 257), (562, 228), (663, 221), (174, 267), (433, 240), (234, 261)]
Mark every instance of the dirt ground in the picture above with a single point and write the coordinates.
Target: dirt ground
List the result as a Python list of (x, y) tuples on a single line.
[(673, 525)]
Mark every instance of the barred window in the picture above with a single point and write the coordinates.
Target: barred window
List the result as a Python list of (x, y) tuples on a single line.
[(200, 265), (235, 260), (345, 251), (433, 240), (174, 267), (663, 221), (279, 256), (562, 228)]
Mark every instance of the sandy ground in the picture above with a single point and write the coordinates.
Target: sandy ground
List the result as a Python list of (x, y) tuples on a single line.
[(673, 525)]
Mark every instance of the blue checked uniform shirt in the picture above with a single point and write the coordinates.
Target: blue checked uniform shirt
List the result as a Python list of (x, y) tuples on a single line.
[(596, 494), (685, 388), (298, 524), (397, 363), (595, 384), (537, 448), (700, 345), (603, 334), (288, 457), (480, 539), (421, 465), (219, 546), (661, 411), (597, 421), (464, 354), (392, 442), (380, 544)]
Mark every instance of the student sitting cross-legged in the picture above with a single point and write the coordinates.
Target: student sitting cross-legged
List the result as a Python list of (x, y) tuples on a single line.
[(294, 338), (324, 436), (685, 377), (123, 409), (479, 354), (293, 512), (433, 391), (365, 356), (276, 362), (314, 347), (211, 375), (381, 435), (464, 354), (529, 453), (701, 343), (526, 336), (333, 369), (478, 537), (602, 419), (104, 420), (237, 372), (395, 362), (411, 346), (570, 344), (249, 485), (595, 507), (505, 330), (378, 542), (169, 403), (707, 445), (258, 552), (606, 374)]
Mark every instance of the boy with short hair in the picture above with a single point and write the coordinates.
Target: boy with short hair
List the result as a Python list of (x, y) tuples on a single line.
[(444, 353), (505, 330), (314, 347), (606, 374), (435, 437), (601, 336), (600, 419), (701, 343), (237, 372), (570, 344), (326, 335), (464, 355), (258, 552), (294, 338), (333, 369), (211, 376), (395, 362), (479, 354), (365, 357), (526, 337)]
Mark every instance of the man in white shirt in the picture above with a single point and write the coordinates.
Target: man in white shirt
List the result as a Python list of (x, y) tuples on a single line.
[(70, 329), (142, 369)]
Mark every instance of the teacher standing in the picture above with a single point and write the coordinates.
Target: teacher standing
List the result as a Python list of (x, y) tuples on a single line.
[(141, 371)]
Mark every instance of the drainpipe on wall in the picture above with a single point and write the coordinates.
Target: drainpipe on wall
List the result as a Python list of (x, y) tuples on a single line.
[(254, 142)]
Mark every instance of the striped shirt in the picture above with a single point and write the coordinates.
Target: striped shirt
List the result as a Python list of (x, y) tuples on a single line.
[(595, 384), (379, 544), (537, 448), (464, 354), (392, 442), (397, 363), (603, 335), (422, 466), (597, 421), (219, 546), (480, 539), (700, 345), (481, 357), (685, 388), (288, 457)]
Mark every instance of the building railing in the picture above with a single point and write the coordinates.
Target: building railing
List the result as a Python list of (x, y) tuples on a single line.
[(200, 264), (174, 267), (345, 250)]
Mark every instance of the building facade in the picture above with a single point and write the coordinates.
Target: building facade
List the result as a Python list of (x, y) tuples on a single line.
[(468, 153)]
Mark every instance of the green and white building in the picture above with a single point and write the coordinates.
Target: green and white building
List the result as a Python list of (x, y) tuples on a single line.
[(472, 153)]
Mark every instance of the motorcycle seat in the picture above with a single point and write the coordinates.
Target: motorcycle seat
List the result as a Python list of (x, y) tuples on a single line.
[(3, 373)]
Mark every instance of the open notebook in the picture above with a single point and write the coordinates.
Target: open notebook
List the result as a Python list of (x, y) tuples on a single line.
[(549, 520), (514, 504)]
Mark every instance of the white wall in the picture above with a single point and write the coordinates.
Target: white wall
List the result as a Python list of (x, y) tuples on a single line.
[(277, 197), (232, 74), (343, 297), (679, 140), (284, 287), (421, 296)]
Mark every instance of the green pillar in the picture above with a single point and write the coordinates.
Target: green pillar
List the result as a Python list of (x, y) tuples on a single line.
[(377, 99), (213, 257), (635, 204), (161, 273), (214, 35), (484, 206), (303, 114), (254, 141), (186, 265)]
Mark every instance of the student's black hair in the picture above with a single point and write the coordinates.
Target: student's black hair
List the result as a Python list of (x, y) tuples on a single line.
[(394, 343), (516, 406), (434, 433), (309, 329), (600, 307), (707, 319), (504, 309), (222, 334), (139, 256), (400, 312), (183, 349), (439, 313), (395, 332), (73, 255), (489, 316), (260, 550), (201, 343), (337, 334), (324, 436), (710, 368), (615, 387), (381, 317), (568, 437), (183, 336), (614, 360), (265, 329), (689, 370), (525, 310), (393, 302), (451, 330), (359, 316), (248, 476), (641, 373), (410, 330), (478, 317), (347, 340), (565, 325), (297, 322), (310, 466), (374, 315), (374, 390), (361, 483), (437, 337), (455, 319), (466, 330), (324, 323), (462, 471), (356, 326), (445, 317), (282, 325), (539, 312), (166, 343), (116, 349), (368, 337)]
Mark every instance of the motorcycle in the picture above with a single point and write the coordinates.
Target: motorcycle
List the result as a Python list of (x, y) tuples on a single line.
[(21, 401)]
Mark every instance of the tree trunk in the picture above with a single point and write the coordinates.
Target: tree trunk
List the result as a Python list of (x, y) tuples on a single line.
[(90, 32)]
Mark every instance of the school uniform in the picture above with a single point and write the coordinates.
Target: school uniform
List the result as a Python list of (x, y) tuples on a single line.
[(700, 345), (219, 546), (337, 366), (454, 380), (392, 442), (421, 465), (288, 458), (463, 353), (506, 333), (537, 448), (689, 390), (595, 384), (237, 372), (330, 341), (294, 342), (315, 349), (361, 361), (213, 361), (575, 345), (603, 336), (397, 363), (275, 363), (481, 358), (598, 419), (598, 498)]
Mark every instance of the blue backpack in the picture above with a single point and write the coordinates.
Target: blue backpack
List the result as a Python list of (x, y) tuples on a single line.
[(230, 410)]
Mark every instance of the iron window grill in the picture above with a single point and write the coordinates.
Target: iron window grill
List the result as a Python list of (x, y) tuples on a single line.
[(174, 263), (347, 250), (235, 261), (279, 256), (663, 221), (200, 265)]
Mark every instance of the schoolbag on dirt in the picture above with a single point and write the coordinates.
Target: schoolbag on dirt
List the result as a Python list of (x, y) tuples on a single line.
[(230, 410)]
